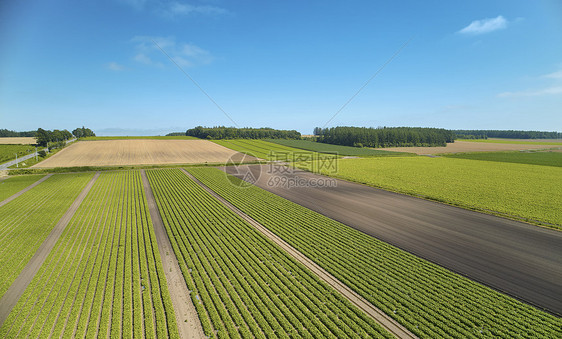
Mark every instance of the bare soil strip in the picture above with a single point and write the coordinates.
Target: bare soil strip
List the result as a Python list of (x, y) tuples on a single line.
[(2, 203), (19, 285), (187, 320), (379, 316)]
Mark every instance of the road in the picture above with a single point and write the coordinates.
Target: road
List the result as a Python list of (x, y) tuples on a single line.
[(519, 259)]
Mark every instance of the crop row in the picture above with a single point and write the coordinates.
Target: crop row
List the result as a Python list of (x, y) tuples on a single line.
[(14, 184), (104, 276), (26, 221), (241, 283), (429, 300)]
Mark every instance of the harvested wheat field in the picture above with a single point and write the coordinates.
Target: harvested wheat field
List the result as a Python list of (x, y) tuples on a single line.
[(468, 146), (141, 152), (17, 141)]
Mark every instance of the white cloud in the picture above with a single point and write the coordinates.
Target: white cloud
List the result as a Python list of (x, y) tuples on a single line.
[(552, 90), (184, 54), (113, 66), (485, 25)]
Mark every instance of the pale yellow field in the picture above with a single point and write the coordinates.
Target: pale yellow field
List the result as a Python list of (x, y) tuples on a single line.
[(16, 141), (141, 152), (467, 146)]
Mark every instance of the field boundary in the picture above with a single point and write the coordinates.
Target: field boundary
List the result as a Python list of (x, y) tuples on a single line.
[(190, 325), (379, 316), (19, 285), (7, 200)]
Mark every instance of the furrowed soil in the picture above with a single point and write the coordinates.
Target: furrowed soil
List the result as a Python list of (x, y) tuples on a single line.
[(141, 152)]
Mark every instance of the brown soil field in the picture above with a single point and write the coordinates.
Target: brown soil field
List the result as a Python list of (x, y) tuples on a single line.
[(467, 146), (141, 152), (17, 141)]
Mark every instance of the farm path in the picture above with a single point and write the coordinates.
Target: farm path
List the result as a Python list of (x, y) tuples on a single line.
[(187, 320), (19, 285), (2, 203), (519, 259), (379, 316)]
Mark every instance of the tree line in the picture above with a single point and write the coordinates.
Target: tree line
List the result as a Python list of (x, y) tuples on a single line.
[(5, 133), (508, 134), (384, 136), (83, 132), (222, 132)]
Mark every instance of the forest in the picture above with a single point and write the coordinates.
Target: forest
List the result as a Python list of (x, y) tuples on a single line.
[(384, 136), (508, 134), (222, 132)]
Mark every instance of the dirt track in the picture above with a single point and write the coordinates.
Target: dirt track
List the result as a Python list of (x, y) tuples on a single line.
[(187, 320), (2, 203), (140, 152), (467, 146), (11, 297), (379, 316), (522, 260)]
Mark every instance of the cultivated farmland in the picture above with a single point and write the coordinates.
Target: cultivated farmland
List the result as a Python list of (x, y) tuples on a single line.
[(17, 141), (243, 284), (26, 221), (329, 148), (271, 151), (544, 158), (13, 185), (138, 152), (469, 146), (519, 190), (104, 277), (429, 300)]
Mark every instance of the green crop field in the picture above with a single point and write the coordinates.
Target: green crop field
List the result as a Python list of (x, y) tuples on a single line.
[(104, 277), (430, 301), (13, 185), (243, 285), (519, 190), (532, 158), (517, 142), (340, 150), (8, 152), (270, 151), (26, 221), (158, 137)]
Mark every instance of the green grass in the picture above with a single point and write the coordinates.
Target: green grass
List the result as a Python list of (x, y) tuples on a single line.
[(517, 190), (244, 285), (157, 137), (271, 151), (532, 158), (329, 148), (8, 152), (13, 185), (104, 277), (26, 221), (429, 300), (509, 141)]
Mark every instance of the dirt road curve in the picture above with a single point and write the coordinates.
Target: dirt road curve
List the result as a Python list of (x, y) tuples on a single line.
[(379, 316), (522, 260), (2, 203), (19, 285), (187, 320)]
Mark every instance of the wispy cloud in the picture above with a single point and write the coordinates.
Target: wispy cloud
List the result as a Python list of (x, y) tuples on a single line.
[(554, 75), (185, 54), (174, 9), (552, 90), (485, 26), (113, 66)]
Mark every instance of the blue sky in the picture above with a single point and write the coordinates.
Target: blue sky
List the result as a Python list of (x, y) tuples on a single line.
[(282, 64)]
